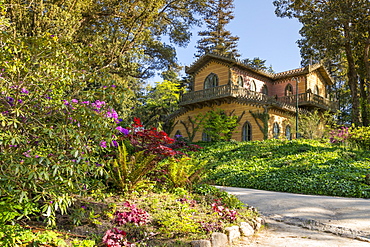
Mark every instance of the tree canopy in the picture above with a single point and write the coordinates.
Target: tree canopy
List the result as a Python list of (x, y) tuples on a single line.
[(336, 32), (216, 38)]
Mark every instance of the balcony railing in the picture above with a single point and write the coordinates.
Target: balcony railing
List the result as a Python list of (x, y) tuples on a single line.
[(243, 94)]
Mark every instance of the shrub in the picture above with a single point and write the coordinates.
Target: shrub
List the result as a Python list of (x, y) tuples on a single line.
[(54, 131), (184, 171), (128, 172), (219, 126)]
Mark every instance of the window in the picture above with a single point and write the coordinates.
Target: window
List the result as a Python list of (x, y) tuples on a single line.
[(206, 137), (276, 130), (316, 90), (253, 86), (247, 132), (211, 81), (264, 90), (240, 81), (288, 90), (288, 132)]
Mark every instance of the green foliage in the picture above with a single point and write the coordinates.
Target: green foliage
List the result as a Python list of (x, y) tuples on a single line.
[(52, 126), (360, 137), (15, 235), (216, 38), (258, 64), (218, 125), (10, 211), (315, 124), (211, 193), (336, 33), (125, 36), (298, 166), (127, 173), (161, 101), (184, 171)]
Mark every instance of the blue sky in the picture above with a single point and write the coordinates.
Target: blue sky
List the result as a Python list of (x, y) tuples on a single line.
[(261, 34)]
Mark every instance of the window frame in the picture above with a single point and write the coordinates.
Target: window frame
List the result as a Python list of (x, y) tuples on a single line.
[(253, 86), (247, 136), (288, 92), (276, 130), (289, 137), (211, 81)]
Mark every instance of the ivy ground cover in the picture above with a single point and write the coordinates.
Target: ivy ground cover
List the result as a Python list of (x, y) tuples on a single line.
[(298, 166)]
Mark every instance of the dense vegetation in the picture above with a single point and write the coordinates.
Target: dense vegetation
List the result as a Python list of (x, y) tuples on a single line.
[(298, 166), (72, 161)]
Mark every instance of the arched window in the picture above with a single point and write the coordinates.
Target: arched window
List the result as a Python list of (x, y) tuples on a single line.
[(264, 90), (211, 81), (247, 132), (276, 130), (240, 81), (206, 137), (288, 90), (253, 86), (288, 132), (316, 90)]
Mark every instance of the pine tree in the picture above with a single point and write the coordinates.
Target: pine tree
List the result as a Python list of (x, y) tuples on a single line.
[(216, 38)]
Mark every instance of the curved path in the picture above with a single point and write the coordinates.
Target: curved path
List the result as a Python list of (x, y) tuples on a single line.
[(341, 217)]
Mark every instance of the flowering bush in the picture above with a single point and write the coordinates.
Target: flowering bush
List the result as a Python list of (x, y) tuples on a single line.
[(225, 213), (54, 130), (340, 135), (355, 136), (116, 238), (133, 215)]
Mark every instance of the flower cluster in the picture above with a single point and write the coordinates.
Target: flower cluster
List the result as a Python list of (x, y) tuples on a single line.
[(224, 212), (340, 135), (116, 238), (133, 215), (150, 141)]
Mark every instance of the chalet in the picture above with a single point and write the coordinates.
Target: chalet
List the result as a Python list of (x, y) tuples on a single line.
[(264, 102)]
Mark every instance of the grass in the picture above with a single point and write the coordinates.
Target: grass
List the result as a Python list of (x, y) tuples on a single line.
[(298, 166)]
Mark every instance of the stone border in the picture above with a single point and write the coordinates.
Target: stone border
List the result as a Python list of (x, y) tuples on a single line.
[(233, 233), (322, 227)]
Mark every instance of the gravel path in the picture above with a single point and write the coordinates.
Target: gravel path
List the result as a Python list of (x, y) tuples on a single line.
[(307, 220)]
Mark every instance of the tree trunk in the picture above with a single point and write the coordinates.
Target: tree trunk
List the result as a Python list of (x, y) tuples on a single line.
[(367, 68), (364, 103), (352, 78)]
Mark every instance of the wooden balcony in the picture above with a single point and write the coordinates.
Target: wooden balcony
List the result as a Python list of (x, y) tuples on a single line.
[(226, 93)]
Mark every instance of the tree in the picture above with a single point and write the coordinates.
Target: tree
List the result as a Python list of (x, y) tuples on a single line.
[(218, 125), (124, 35), (336, 30), (216, 38), (258, 64), (159, 103)]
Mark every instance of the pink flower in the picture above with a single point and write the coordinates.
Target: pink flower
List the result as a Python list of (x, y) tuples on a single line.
[(103, 144)]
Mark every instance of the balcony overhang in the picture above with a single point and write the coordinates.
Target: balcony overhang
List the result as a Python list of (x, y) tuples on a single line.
[(230, 93)]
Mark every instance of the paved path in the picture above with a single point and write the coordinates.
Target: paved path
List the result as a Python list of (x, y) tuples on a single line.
[(348, 217)]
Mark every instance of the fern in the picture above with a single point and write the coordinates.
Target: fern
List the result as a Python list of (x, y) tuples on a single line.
[(128, 172), (185, 171)]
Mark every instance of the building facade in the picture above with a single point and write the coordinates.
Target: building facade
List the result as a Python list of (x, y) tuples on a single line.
[(265, 103)]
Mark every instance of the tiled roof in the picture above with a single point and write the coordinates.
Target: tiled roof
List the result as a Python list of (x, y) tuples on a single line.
[(199, 63)]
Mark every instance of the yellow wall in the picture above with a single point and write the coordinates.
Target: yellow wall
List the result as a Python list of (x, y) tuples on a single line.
[(314, 79), (238, 110), (221, 70)]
